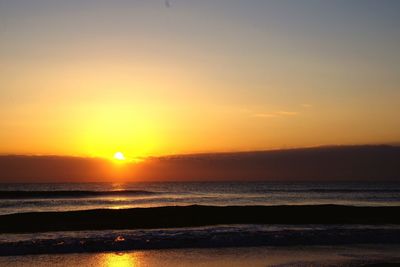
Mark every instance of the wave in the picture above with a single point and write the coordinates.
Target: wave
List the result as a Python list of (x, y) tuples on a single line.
[(329, 190), (197, 237), (195, 215), (71, 194), (350, 190), (46, 194)]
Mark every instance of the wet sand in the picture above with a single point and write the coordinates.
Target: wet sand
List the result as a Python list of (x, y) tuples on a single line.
[(349, 256)]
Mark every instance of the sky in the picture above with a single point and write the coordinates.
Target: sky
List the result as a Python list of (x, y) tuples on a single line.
[(151, 78)]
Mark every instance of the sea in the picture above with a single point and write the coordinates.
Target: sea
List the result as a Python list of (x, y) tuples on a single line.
[(38, 197), (62, 197)]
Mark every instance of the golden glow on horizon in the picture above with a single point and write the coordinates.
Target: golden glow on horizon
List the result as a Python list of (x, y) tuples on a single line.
[(149, 88)]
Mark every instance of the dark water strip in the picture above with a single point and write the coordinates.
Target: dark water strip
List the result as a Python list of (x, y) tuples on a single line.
[(71, 194), (195, 215), (45, 194)]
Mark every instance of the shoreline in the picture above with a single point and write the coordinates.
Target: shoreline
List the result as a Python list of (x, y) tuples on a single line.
[(220, 236)]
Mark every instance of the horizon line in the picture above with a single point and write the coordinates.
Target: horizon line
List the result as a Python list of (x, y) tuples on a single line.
[(219, 152)]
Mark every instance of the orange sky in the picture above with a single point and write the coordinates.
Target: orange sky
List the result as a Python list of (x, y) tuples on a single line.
[(89, 78)]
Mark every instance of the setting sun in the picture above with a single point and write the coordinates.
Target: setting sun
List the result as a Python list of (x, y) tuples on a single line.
[(119, 156)]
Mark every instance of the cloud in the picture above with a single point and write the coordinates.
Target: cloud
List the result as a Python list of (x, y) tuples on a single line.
[(280, 113), (287, 113), (264, 115)]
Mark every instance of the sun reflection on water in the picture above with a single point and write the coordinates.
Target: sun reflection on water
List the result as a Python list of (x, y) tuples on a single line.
[(120, 260)]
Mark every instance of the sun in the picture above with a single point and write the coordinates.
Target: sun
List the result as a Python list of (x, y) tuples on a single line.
[(119, 156)]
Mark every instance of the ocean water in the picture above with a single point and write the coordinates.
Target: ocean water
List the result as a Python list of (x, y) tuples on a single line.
[(22, 198), (17, 198)]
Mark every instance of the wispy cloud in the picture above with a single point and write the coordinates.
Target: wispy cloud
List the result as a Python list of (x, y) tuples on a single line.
[(264, 115), (287, 113), (280, 113), (306, 105)]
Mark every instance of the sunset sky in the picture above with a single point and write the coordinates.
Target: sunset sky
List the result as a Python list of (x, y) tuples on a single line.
[(150, 78)]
